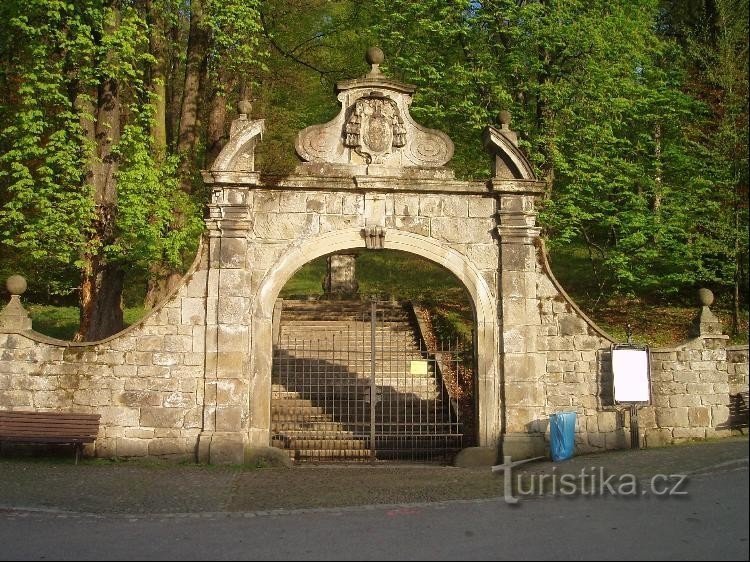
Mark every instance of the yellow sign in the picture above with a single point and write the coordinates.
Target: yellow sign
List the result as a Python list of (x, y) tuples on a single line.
[(419, 367)]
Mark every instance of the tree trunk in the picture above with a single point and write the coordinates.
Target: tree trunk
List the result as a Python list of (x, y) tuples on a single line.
[(102, 282), (158, 79), (217, 118), (197, 49)]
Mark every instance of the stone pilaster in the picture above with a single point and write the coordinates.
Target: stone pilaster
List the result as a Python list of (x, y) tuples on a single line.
[(14, 318), (341, 276), (224, 435), (523, 366)]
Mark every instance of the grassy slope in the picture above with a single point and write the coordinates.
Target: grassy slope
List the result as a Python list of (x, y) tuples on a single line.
[(653, 322)]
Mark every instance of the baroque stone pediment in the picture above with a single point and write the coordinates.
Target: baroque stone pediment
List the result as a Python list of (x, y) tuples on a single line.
[(374, 134)]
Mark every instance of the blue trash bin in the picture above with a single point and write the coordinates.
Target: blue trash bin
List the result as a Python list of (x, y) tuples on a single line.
[(562, 435)]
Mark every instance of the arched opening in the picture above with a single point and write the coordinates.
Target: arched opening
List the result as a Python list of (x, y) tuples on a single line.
[(371, 377)]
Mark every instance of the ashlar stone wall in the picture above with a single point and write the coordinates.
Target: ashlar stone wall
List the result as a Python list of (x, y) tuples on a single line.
[(146, 382)]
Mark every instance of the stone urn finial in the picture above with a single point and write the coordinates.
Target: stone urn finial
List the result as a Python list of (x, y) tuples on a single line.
[(13, 317), (706, 323), (16, 285), (374, 57), (705, 297), (244, 108), (504, 118)]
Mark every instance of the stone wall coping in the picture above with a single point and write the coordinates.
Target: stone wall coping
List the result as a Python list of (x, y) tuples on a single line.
[(568, 299), (517, 186), (41, 338), (688, 344), (744, 347)]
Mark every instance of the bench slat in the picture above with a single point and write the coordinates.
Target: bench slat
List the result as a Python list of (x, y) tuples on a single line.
[(46, 423), (47, 415), (21, 439)]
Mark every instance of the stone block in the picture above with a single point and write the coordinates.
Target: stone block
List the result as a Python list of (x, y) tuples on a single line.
[(137, 398), (715, 399), (658, 437), (166, 359), (285, 226), (714, 376), (416, 225), (588, 342), (54, 399), (193, 311), (679, 400), (138, 433), (267, 201), (118, 415), (699, 416), (353, 204), (571, 325), (229, 418), (125, 447), (699, 388), (161, 417), (168, 446), (524, 394), (406, 205), (178, 400), (672, 417), (150, 343), (607, 422), (719, 414), (335, 223), (482, 207), (518, 257), (295, 202), (461, 231), (685, 376), (689, 433)]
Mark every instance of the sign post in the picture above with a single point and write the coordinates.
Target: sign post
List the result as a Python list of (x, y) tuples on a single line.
[(631, 370)]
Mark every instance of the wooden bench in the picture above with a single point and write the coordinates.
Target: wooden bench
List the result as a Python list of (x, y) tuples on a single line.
[(49, 428)]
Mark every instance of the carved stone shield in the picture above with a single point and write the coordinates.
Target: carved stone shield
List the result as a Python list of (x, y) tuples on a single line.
[(375, 127)]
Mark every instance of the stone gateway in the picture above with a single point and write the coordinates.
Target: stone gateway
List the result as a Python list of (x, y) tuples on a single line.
[(193, 378)]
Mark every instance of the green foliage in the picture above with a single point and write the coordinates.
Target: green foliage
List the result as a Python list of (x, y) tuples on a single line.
[(148, 201), (45, 207), (601, 96)]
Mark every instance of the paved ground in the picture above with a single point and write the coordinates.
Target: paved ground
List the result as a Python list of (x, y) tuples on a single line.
[(112, 512), (99, 487)]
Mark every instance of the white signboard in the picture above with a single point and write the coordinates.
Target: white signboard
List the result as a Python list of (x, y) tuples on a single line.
[(418, 367), (630, 368)]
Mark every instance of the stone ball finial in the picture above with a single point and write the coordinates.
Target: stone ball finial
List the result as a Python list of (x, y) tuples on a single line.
[(374, 55), (16, 284), (705, 297), (504, 117), (244, 107)]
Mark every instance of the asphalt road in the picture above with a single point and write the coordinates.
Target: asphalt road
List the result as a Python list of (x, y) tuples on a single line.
[(710, 522)]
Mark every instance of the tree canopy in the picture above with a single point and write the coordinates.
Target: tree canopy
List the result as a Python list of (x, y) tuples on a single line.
[(634, 112)]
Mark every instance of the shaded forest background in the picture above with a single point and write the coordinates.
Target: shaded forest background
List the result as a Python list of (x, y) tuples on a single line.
[(634, 112)]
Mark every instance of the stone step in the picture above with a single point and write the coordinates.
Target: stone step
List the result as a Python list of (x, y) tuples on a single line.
[(327, 444), (312, 454)]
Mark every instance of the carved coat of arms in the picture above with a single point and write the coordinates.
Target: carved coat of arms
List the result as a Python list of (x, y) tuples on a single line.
[(375, 127)]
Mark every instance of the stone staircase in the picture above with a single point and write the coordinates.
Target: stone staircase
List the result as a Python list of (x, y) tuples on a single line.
[(321, 393)]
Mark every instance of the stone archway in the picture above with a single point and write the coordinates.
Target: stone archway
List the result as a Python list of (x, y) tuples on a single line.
[(484, 303), (372, 177)]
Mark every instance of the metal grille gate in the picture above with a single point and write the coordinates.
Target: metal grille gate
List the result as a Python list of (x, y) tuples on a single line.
[(361, 384)]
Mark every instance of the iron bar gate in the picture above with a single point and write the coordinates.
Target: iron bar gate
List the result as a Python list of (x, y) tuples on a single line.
[(358, 382)]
